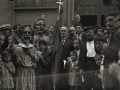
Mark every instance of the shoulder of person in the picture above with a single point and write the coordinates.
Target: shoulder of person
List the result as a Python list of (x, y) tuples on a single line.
[(110, 52)]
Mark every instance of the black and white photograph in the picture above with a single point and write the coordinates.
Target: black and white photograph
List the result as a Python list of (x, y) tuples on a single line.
[(59, 44)]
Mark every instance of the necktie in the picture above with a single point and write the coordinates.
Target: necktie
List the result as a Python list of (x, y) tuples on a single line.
[(63, 42)]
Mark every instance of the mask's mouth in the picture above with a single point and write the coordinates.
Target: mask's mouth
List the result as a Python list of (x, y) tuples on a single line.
[(26, 37)]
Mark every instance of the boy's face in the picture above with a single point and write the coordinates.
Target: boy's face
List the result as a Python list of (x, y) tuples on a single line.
[(10, 39), (98, 59), (7, 58), (73, 57), (99, 45), (2, 40), (76, 44), (42, 47)]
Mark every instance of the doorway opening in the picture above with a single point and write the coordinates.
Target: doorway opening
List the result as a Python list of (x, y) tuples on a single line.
[(88, 20)]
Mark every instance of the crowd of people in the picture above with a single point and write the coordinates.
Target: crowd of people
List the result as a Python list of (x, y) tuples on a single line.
[(89, 57)]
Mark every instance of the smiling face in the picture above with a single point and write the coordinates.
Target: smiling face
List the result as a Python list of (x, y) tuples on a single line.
[(108, 22), (7, 58), (89, 35), (73, 56), (40, 27)]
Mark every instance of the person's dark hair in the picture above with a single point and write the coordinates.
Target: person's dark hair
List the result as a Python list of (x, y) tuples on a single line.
[(89, 28), (113, 13), (79, 24), (100, 27), (74, 52), (4, 53), (15, 26), (38, 21), (21, 29)]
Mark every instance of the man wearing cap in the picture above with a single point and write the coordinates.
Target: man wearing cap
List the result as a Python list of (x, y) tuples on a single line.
[(100, 44), (99, 31), (87, 58), (67, 46), (6, 30), (111, 52)]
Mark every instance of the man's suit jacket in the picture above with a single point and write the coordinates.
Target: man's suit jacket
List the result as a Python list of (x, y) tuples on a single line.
[(66, 48), (89, 69), (83, 53), (111, 55)]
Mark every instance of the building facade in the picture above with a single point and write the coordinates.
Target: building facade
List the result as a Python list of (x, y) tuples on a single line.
[(27, 11)]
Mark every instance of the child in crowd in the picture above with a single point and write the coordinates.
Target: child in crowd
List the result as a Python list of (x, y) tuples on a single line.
[(2, 41), (76, 44), (43, 69), (75, 79), (7, 69), (100, 44)]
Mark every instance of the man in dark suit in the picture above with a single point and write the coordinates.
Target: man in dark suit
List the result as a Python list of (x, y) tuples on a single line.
[(72, 33), (87, 59), (111, 52), (67, 46)]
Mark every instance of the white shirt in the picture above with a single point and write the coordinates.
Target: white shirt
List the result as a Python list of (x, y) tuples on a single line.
[(90, 49), (78, 53)]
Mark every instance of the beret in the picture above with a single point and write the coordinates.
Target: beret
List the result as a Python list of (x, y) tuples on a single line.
[(89, 28), (100, 39)]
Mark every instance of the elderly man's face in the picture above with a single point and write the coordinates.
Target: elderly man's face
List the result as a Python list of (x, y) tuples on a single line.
[(40, 26), (63, 32), (72, 31)]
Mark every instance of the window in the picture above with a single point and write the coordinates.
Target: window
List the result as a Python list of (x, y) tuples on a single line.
[(36, 3)]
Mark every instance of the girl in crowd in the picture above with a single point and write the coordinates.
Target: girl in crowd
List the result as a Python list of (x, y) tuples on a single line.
[(75, 79), (7, 69)]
